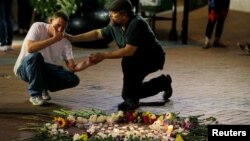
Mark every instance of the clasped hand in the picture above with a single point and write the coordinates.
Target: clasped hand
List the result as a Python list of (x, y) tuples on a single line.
[(57, 35), (96, 57)]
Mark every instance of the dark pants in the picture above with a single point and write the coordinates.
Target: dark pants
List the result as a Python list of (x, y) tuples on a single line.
[(6, 25), (217, 15), (134, 73), (24, 14), (44, 76)]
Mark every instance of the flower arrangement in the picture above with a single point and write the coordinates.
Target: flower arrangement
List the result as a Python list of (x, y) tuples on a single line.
[(95, 125)]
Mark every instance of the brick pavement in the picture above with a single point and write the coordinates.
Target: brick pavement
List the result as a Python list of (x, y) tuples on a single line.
[(214, 82)]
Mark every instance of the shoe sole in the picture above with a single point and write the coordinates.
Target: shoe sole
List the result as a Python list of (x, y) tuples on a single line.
[(36, 104), (47, 99)]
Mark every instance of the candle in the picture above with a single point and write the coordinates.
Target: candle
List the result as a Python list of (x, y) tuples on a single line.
[(170, 129), (116, 130)]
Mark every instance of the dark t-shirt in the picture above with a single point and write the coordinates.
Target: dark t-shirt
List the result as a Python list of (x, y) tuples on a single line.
[(139, 34)]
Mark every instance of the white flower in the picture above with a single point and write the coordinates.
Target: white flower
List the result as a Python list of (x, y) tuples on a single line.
[(53, 126), (61, 131), (71, 118), (101, 119), (115, 132), (48, 124), (102, 135), (91, 129), (180, 130), (156, 125), (120, 114), (76, 137), (66, 132), (53, 131), (93, 118), (186, 120), (81, 120), (112, 118)]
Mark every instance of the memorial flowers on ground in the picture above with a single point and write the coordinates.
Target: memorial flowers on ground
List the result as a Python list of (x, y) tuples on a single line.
[(95, 125)]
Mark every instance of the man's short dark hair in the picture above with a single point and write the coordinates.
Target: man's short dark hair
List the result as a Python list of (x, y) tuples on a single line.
[(61, 14), (121, 5)]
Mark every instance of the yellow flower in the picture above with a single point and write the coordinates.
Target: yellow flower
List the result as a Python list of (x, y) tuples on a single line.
[(153, 116), (139, 119), (179, 138), (148, 113), (161, 118), (61, 122), (84, 137), (169, 116)]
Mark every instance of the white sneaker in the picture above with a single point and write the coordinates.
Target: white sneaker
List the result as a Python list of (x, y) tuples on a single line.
[(206, 43), (5, 48), (45, 95), (244, 47), (37, 100)]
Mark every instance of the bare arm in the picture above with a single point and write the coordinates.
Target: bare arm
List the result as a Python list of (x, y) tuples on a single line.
[(88, 36), (128, 50), (34, 46)]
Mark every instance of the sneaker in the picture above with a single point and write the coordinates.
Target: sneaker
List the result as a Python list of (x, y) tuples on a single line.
[(244, 47), (5, 48), (37, 100), (219, 44), (206, 45), (125, 106), (168, 91), (45, 95)]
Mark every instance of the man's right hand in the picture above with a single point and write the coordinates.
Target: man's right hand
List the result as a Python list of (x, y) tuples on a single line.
[(57, 35), (96, 57)]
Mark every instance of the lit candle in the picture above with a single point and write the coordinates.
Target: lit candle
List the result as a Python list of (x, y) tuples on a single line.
[(140, 128), (131, 128), (116, 130), (170, 129), (124, 127)]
